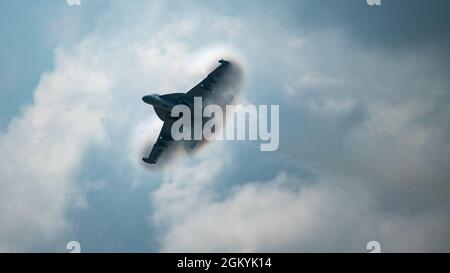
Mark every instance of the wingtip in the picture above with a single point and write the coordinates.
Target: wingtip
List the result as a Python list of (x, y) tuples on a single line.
[(146, 160)]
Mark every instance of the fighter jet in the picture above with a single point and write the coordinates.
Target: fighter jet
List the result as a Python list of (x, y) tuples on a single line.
[(209, 89)]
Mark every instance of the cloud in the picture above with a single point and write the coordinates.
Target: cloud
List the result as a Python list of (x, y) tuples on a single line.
[(380, 121), (89, 99), (277, 215), (364, 146), (371, 118), (284, 214), (42, 149)]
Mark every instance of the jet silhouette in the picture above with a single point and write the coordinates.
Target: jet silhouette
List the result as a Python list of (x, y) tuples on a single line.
[(215, 88)]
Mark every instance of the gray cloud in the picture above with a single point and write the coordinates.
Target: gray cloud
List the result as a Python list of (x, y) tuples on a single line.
[(284, 215), (42, 149), (363, 153), (356, 113)]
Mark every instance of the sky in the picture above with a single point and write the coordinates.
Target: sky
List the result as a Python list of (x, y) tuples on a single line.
[(364, 151)]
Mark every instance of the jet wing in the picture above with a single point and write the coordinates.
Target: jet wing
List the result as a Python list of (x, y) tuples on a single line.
[(163, 142), (210, 83)]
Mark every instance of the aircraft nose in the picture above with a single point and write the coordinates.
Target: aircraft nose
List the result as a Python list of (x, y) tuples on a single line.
[(151, 99), (146, 99)]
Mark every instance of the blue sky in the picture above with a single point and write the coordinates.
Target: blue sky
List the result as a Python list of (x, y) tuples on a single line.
[(364, 141)]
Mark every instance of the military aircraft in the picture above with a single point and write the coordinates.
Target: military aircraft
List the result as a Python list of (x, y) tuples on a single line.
[(213, 89)]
